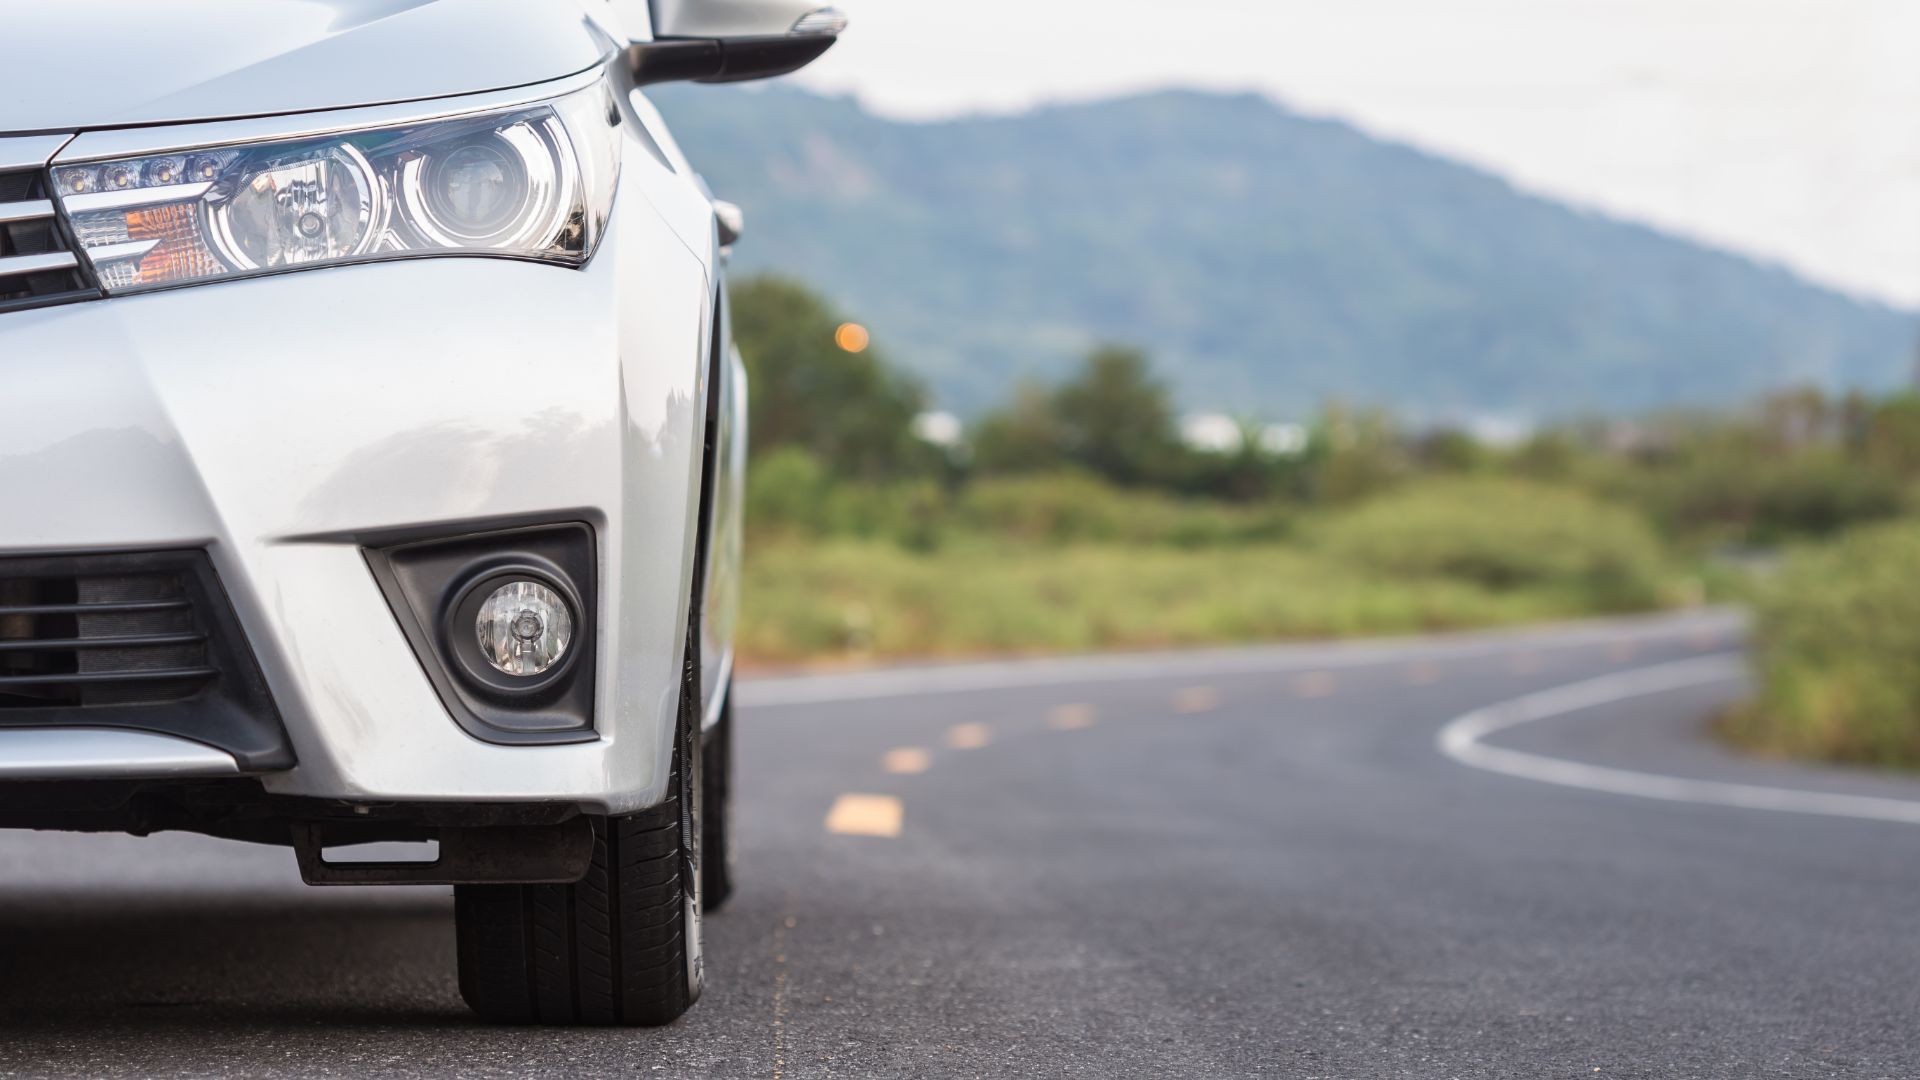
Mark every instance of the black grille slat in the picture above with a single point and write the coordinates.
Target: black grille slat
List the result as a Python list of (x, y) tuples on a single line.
[(146, 641), (103, 678), (7, 645), (74, 609), (153, 636), (117, 639), (41, 235)]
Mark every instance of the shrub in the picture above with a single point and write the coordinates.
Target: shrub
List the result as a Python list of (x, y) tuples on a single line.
[(1837, 641), (787, 491), (1047, 508), (1066, 507), (1730, 497), (791, 493), (1504, 534), (808, 599)]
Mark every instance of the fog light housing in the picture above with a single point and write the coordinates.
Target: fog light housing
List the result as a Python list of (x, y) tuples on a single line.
[(503, 623), (523, 628), (514, 628)]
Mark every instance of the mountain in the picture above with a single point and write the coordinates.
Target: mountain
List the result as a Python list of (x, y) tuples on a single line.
[(1269, 260)]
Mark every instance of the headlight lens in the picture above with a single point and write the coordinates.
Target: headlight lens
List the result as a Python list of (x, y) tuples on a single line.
[(532, 183)]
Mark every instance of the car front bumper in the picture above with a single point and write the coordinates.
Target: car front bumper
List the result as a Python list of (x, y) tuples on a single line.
[(285, 424)]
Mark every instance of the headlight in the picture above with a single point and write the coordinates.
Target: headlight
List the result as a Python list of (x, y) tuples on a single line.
[(534, 183)]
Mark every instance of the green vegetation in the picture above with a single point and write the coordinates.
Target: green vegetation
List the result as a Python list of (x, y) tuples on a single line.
[(1115, 420), (845, 596), (850, 410), (1275, 261), (1075, 517), (1062, 561), (1507, 535), (1837, 636)]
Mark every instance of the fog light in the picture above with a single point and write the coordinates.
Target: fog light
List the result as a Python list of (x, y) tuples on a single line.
[(524, 628)]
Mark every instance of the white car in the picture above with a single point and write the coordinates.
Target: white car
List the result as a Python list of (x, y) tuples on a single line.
[(370, 454)]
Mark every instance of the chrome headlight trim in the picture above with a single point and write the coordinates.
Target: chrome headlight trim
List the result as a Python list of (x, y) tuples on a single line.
[(229, 199)]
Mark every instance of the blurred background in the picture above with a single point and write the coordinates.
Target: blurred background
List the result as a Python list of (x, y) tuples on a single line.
[(1081, 326)]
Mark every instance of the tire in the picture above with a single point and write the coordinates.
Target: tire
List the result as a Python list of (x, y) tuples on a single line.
[(716, 810), (619, 947)]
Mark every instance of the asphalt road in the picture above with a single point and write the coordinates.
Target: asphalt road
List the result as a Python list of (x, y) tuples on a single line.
[(1250, 863)]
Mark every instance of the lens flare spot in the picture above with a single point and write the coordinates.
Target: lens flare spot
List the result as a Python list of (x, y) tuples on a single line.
[(852, 337)]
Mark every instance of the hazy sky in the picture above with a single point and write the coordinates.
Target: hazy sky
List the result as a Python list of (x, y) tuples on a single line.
[(1788, 129)]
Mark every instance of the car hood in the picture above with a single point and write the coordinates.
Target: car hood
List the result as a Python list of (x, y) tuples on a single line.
[(108, 63)]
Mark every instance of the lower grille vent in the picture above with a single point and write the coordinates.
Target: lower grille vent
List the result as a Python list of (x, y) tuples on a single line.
[(98, 641), (145, 641)]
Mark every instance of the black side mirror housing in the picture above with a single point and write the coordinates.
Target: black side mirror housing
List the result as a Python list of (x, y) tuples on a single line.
[(731, 40), (729, 59)]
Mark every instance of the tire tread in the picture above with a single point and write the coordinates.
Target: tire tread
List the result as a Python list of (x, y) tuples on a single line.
[(609, 949)]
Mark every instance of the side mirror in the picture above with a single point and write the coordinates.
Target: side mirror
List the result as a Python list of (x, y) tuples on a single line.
[(729, 221), (733, 40)]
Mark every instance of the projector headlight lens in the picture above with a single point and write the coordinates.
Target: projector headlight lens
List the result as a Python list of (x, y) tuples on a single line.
[(474, 191), (524, 628), (533, 183)]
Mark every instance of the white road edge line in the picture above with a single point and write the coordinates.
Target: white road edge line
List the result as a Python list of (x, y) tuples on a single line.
[(1461, 741), (1204, 663)]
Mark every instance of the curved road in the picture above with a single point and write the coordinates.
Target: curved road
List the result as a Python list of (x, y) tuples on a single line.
[(1303, 861)]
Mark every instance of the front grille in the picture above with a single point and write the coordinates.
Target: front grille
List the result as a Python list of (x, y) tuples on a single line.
[(106, 640), (37, 264), (144, 641)]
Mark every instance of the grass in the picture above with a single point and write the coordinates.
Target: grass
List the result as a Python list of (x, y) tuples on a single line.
[(853, 598), (1057, 565), (1837, 641)]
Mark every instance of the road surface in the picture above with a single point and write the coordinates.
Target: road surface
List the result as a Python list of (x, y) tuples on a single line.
[(1306, 861)]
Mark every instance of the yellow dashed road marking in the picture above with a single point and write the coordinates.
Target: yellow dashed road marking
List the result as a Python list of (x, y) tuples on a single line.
[(969, 736), (1423, 673), (1196, 699), (865, 815), (1070, 717), (1313, 684), (906, 761)]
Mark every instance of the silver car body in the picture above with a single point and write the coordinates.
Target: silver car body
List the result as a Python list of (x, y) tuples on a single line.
[(284, 423)]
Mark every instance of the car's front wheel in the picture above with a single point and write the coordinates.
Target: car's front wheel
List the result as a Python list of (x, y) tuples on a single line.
[(620, 946)]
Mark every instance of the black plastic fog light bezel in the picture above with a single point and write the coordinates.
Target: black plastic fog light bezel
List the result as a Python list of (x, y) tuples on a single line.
[(460, 642), (431, 584)]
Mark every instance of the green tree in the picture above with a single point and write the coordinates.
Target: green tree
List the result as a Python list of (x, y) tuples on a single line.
[(1113, 419), (1024, 436), (1893, 435), (1548, 455), (1449, 450), (1251, 472), (1117, 419), (851, 410), (1352, 454)]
